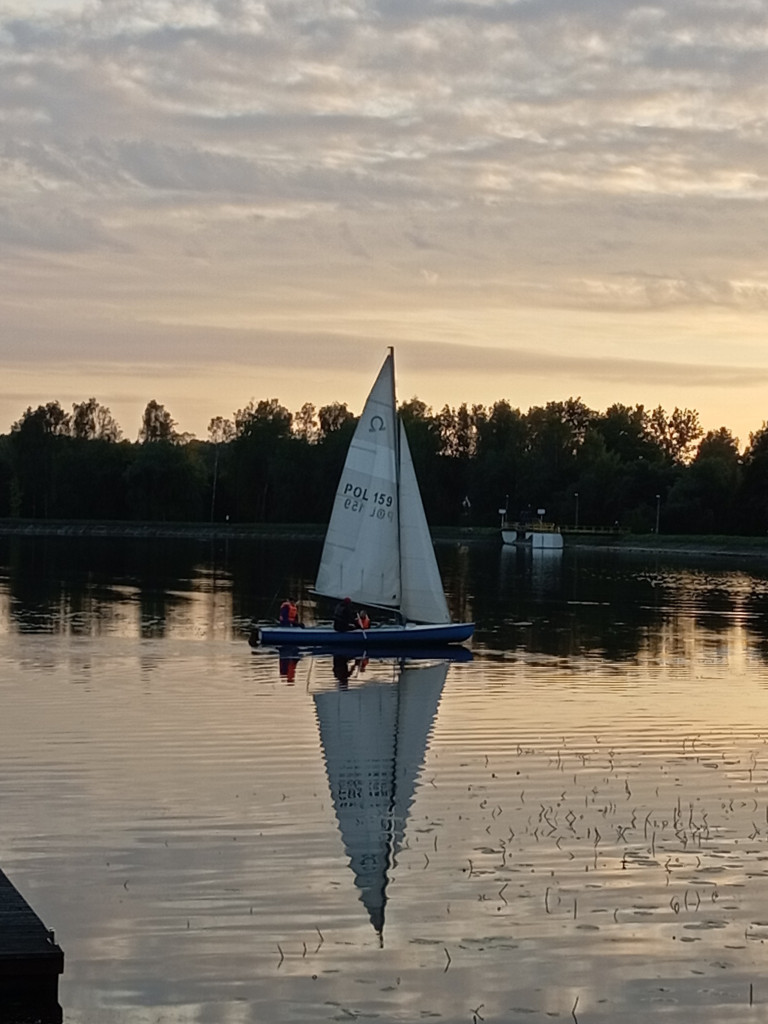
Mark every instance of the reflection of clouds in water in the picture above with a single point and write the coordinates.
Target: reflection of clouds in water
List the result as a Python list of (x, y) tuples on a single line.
[(5, 611), (584, 815)]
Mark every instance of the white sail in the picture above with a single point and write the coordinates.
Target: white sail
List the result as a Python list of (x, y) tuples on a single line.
[(419, 693), (422, 595), (374, 738), (360, 557), (358, 727)]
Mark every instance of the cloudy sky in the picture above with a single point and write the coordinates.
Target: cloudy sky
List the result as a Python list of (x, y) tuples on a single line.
[(207, 202)]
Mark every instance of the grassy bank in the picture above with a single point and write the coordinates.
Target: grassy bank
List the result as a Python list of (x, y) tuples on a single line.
[(678, 544)]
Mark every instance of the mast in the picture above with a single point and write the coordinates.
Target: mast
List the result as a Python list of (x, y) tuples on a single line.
[(396, 421)]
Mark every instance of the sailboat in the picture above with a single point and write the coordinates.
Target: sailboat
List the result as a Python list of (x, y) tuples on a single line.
[(378, 550), (374, 737)]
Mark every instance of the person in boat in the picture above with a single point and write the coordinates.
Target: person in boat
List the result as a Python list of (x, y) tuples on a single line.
[(289, 613), (363, 619), (288, 669), (342, 670), (344, 618)]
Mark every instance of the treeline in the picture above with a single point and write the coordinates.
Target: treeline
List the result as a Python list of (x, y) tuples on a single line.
[(627, 466)]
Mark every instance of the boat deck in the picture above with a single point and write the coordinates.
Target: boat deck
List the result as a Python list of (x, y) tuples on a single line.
[(30, 959)]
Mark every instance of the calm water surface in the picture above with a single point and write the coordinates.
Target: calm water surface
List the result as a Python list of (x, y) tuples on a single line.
[(571, 825)]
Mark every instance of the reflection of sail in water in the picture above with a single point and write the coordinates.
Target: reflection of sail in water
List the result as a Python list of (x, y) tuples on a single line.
[(374, 737)]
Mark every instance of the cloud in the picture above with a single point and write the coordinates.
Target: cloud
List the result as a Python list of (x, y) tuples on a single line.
[(390, 171)]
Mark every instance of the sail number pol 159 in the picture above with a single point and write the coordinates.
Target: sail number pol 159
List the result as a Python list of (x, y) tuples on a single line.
[(355, 498)]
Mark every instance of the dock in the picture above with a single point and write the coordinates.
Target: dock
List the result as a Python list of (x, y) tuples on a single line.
[(30, 961)]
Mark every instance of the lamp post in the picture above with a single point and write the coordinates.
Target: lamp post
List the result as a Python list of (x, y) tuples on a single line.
[(658, 508), (576, 498)]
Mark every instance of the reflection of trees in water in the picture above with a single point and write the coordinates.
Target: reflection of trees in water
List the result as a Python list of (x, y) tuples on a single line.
[(71, 584), (582, 601), (266, 570), (150, 586), (617, 606)]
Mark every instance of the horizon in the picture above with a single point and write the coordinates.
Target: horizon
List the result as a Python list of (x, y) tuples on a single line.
[(743, 443)]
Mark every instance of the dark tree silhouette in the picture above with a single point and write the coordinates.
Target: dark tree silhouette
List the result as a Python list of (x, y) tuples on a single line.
[(157, 424), (266, 464), (91, 421)]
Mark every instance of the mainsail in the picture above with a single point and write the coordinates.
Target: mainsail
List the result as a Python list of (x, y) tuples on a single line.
[(360, 555), (374, 738), (378, 549)]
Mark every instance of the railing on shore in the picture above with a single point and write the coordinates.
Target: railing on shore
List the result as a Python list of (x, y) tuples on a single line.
[(535, 526)]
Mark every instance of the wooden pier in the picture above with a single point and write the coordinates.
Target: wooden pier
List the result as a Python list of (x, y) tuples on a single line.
[(30, 962)]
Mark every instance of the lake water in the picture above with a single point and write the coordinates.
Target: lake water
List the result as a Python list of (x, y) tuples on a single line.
[(572, 825)]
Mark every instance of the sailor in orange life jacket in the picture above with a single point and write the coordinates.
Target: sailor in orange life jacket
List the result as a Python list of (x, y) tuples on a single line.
[(364, 623), (289, 613), (288, 669)]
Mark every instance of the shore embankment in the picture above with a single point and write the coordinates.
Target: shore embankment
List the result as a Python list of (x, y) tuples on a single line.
[(678, 544), (156, 530)]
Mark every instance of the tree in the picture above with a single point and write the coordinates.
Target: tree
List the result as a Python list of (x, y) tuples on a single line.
[(625, 431), (267, 418), (556, 433), (334, 417), (677, 434), (458, 430), (263, 465), (8, 484), (501, 444), (165, 482), (92, 421), (305, 423), (754, 492), (157, 424), (34, 439), (718, 444), (703, 499), (600, 484), (220, 431), (47, 419)]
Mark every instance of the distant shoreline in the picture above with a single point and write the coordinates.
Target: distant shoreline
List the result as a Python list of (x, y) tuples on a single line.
[(719, 547), (152, 530), (688, 545)]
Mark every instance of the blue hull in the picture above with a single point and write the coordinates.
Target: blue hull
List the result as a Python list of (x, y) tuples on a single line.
[(380, 637)]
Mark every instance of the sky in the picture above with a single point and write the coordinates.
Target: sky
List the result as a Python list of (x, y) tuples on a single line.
[(204, 203)]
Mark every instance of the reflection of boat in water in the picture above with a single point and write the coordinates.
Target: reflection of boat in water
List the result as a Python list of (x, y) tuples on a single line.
[(361, 649), (378, 549), (374, 736)]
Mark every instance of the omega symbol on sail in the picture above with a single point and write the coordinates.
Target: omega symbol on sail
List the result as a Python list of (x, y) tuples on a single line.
[(377, 423)]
